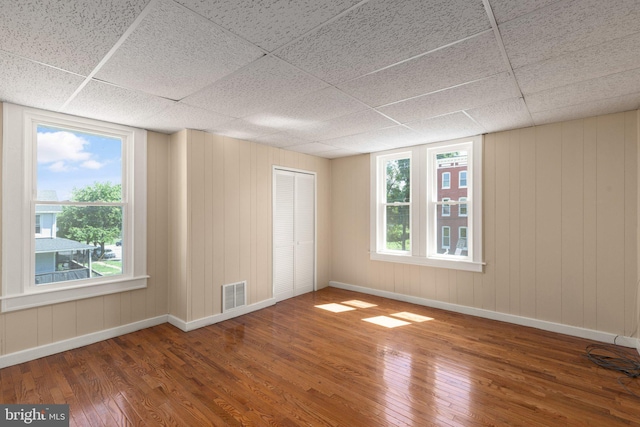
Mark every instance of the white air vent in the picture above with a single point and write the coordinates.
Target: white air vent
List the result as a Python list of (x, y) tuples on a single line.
[(234, 295)]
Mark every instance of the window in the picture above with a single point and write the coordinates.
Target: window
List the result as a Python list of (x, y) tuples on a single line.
[(423, 233), (446, 180), (462, 239), (462, 207), (395, 202), (462, 179), (85, 184), (446, 237), (446, 208)]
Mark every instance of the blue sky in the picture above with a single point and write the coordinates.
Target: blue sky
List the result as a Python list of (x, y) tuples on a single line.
[(68, 159)]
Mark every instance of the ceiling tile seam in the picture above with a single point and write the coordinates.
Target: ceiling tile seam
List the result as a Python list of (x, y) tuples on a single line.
[(478, 123), (328, 141), (319, 26), (503, 52), (44, 64), (420, 55), (221, 28), (143, 14), (440, 90)]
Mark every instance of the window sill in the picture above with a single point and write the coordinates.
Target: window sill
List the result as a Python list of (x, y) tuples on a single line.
[(42, 297), (463, 265)]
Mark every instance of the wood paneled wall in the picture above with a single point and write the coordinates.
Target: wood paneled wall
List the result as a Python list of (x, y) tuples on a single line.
[(35, 327), (221, 219), (560, 239)]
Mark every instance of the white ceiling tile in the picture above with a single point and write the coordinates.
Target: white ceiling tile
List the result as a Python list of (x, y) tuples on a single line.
[(450, 126), (72, 35), (470, 95), (566, 27), (506, 10), (336, 153), (596, 61), (280, 139), (174, 52), (468, 60), (311, 148), (241, 129), (269, 23), (503, 115), (380, 33), (110, 103), (604, 106), (181, 116), (363, 121), (35, 85), (610, 86), (256, 87), (308, 109), (377, 140)]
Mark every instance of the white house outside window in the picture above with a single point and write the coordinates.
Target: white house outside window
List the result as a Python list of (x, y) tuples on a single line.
[(80, 184), (435, 209)]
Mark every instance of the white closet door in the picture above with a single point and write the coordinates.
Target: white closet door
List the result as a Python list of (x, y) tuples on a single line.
[(293, 234), (304, 233), (283, 243)]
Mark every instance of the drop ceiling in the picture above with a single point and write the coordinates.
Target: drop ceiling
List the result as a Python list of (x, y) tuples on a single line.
[(331, 78)]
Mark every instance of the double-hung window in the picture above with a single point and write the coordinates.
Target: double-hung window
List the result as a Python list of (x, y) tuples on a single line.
[(81, 185), (437, 223), (394, 207)]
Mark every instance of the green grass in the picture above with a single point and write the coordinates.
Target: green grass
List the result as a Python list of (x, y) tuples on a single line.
[(107, 268), (397, 246)]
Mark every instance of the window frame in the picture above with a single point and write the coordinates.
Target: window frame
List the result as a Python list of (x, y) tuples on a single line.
[(381, 195), (424, 215), (466, 230), (19, 290)]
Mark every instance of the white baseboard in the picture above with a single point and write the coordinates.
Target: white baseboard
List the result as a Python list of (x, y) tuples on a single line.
[(210, 320), (504, 317), (71, 343)]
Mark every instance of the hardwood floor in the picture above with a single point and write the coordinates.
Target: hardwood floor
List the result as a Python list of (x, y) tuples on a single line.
[(294, 364)]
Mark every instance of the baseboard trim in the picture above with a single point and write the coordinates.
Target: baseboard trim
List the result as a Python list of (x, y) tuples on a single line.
[(210, 320), (503, 317), (81, 341)]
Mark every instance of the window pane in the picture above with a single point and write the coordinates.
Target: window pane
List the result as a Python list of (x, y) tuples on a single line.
[(463, 178), (398, 237), (398, 179), (78, 166), (463, 207), (451, 240), (77, 242), (446, 180)]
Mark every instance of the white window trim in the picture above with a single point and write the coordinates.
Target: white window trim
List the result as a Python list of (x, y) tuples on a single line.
[(381, 230), (424, 240), (448, 180), (18, 220)]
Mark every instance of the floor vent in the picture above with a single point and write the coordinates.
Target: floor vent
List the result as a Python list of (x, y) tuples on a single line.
[(234, 295)]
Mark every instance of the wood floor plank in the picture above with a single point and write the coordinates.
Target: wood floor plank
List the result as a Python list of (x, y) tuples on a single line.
[(294, 364)]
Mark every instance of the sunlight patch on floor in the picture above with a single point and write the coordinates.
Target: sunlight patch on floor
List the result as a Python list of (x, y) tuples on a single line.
[(387, 322), (412, 317), (359, 304), (334, 307)]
